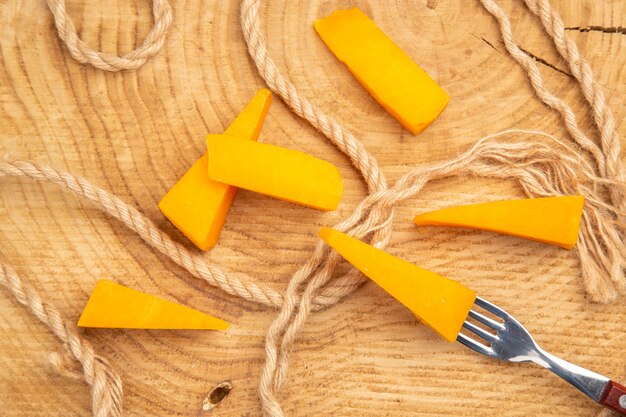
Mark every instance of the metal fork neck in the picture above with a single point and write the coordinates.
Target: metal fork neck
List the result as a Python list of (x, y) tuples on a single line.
[(589, 382)]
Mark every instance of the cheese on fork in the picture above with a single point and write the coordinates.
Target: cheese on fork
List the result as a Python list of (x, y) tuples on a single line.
[(439, 302)]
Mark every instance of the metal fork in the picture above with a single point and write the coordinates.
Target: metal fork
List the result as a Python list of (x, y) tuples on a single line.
[(513, 343)]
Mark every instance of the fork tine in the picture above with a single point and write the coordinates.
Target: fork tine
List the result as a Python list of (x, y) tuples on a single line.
[(491, 307), (480, 332), (474, 345), (486, 320)]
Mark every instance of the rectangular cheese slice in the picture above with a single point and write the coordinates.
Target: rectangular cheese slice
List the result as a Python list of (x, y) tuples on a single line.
[(385, 70)]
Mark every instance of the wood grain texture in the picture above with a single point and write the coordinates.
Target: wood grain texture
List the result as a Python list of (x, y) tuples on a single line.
[(136, 133)]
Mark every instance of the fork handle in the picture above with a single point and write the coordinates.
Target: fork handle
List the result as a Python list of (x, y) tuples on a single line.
[(614, 397)]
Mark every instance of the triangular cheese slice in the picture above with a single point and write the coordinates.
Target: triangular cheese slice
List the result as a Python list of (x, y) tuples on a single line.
[(197, 205), (115, 306), (553, 220), (437, 301)]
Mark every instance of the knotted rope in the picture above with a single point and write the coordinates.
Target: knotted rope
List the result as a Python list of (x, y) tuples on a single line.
[(542, 166)]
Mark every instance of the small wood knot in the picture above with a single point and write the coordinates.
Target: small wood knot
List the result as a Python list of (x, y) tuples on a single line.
[(431, 4), (216, 395)]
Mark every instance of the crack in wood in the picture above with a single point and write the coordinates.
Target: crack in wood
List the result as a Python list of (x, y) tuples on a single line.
[(530, 54), (484, 40), (613, 29), (544, 62)]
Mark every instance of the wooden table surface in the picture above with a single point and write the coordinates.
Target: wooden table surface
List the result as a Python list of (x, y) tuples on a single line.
[(135, 134)]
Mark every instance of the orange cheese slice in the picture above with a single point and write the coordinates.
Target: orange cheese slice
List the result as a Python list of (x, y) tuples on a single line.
[(275, 171), (385, 70), (115, 306), (552, 220), (197, 205), (438, 302)]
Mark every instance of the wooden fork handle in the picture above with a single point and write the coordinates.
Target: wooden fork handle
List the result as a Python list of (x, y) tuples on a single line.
[(614, 397)]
